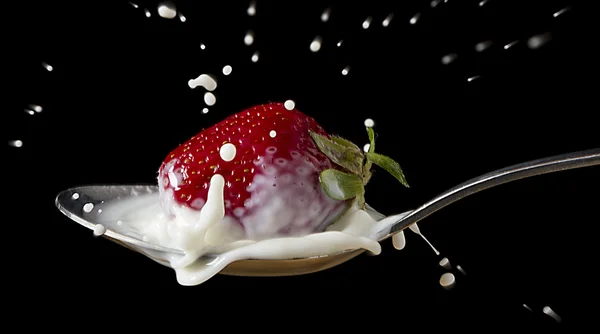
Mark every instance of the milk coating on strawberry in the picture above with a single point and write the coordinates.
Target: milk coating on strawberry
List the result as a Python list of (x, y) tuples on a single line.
[(271, 167)]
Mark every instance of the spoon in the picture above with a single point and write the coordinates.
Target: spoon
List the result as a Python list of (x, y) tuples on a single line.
[(69, 202)]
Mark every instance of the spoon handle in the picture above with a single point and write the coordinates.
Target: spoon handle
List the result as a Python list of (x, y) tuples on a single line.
[(515, 172)]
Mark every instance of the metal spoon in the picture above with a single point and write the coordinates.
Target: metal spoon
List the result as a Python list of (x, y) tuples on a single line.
[(71, 203)]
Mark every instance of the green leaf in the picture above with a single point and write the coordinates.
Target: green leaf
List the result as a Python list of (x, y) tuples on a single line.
[(389, 165), (344, 142), (371, 139), (341, 186), (347, 157)]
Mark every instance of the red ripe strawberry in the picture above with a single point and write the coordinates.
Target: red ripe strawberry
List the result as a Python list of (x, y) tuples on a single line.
[(287, 177), (271, 185)]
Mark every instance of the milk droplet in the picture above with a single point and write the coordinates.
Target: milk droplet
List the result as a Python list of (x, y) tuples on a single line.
[(15, 143), (88, 207), (315, 45), (249, 38), (415, 18), (204, 110), (227, 152), (254, 57), (202, 46), (369, 123), (147, 13), (537, 41), (251, 11), (388, 19), (227, 70), (29, 111), (434, 3), (289, 104), (346, 70), (48, 67), (510, 45), (35, 107), (366, 147), (182, 18), (167, 10), (560, 12), (447, 59), (475, 77), (205, 81), (210, 99), (339, 43), (75, 196), (120, 223), (462, 271), (134, 5), (547, 310), (399, 240), (445, 263), (482, 46), (527, 307), (367, 22), (273, 133), (482, 3), (99, 230), (325, 15), (415, 228), (447, 280)]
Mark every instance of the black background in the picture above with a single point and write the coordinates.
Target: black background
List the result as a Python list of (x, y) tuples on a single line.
[(118, 101)]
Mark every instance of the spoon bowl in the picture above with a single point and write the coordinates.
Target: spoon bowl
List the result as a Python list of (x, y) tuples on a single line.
[(84, 206)]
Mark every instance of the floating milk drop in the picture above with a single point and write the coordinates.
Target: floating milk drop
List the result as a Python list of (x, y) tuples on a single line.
[(205, 110), (315, 45), (447, 280), (547, 310), (325, 15), (510, 45), (249, 38), (205, 81), (273, 133), (387, 20), (210, 99), (445, 263), (560, 12), (415, 18), (482, 46), (447, 59), (227, 70), (167, 10), (289, 104), (367, 22), (535, 42), (251, 11), (254, 57), (15, 143), (346, 70), (369, 123), (48, 67)]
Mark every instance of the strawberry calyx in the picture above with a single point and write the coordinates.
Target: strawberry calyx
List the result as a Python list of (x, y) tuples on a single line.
[(350, 182)]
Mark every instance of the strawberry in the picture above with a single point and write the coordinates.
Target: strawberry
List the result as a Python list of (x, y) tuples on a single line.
[(287, 177)]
